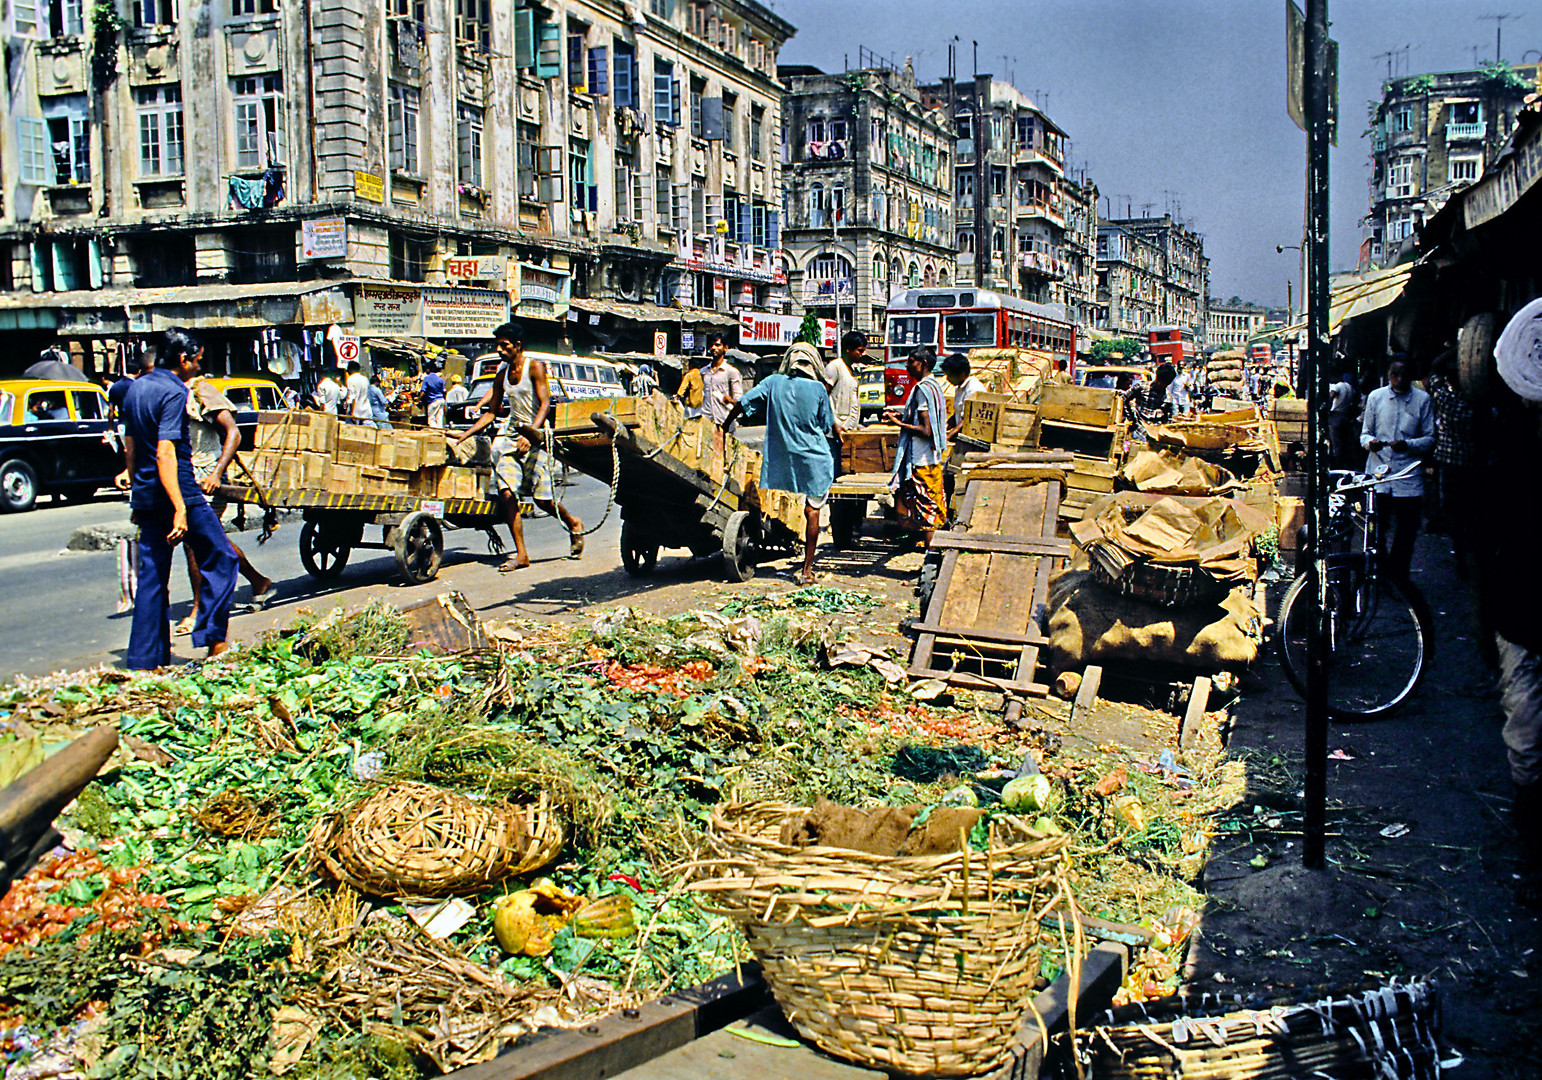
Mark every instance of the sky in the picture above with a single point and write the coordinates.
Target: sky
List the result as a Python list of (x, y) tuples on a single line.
[(1181, 103)]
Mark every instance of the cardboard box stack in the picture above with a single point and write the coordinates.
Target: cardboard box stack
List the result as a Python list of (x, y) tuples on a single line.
[(316, 452)]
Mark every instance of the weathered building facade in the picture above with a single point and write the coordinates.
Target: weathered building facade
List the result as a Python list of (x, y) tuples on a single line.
[(1231, 324), (290, 160), (868, 206), (1431, 136), (1079, 250), (1152, 272)]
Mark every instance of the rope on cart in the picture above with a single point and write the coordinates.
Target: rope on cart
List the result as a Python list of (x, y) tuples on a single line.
[(615, 475), (727, 473)]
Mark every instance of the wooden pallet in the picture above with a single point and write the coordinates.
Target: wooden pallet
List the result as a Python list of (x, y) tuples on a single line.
[(982, 626)]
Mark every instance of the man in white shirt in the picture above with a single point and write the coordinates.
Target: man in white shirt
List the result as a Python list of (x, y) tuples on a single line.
[(328, 394), (840, 377), (1179, 393), (1398, 430), (955, 369), (357, 396), (1341, 420), (722, 381)]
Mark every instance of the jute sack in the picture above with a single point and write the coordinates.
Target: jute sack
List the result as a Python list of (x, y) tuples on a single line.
[(1090, 625)]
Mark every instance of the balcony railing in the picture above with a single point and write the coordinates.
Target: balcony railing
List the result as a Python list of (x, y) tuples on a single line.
[(1041, 262), (1040, 210), (1464, 131)]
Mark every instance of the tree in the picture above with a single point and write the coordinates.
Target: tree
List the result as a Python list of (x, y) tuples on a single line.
[(1119, 348), (811, 331)]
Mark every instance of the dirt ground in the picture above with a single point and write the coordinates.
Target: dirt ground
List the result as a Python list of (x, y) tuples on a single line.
[(1434, 899)]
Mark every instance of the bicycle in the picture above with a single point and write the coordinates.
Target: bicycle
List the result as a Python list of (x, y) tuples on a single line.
[(1379, 632)]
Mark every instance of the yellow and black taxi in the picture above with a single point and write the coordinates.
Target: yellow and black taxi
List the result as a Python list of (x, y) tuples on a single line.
[(56, 438), (250, 395), (870, 391)]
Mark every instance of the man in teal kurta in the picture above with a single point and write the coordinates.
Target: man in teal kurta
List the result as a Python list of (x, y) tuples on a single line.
[(796, 407)]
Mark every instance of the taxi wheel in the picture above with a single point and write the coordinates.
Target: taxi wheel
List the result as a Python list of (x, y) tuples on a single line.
[(18, 487)]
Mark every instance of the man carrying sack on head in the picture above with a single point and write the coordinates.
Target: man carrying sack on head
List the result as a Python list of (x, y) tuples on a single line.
[(923, 446), (796, 407)]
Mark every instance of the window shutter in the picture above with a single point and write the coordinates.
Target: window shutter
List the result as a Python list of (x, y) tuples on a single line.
[(680, 206), (524, 38), (625, 96), (599, 80), (94, 262), (674, 100), (80, 150), (594, 199), (548, 60), (746, 222), (623, 193), (32, 141), (24, 18), (64, 266), (398, 132), (73, 21), (463, 146), (773, 229), (41, 275), (712, 118), (551, 190), (663, 113)]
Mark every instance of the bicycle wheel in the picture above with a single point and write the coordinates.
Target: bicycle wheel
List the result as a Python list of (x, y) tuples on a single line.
[(1379, 641)]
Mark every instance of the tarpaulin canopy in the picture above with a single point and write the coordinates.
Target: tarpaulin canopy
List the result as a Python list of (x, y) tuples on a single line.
[(1359, 295)]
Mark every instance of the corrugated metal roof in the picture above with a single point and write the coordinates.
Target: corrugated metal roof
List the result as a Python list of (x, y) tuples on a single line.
[(175, 294)]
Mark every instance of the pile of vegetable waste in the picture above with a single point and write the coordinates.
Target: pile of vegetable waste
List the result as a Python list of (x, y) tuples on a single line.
[(187, 891)]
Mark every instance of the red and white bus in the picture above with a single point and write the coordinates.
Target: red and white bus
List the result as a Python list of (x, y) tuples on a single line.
[(964, 319), (1172, 344)]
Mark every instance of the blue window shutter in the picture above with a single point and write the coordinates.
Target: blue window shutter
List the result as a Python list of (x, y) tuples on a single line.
[(548, 60), (42, 270), (623, 86), (746, 222), (94, 262), (712, 118), (773, 229), (662, 113), (524, 38), (599, 82)]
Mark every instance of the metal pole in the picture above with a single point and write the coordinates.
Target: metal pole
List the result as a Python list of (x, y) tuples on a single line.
[(1315, 363)]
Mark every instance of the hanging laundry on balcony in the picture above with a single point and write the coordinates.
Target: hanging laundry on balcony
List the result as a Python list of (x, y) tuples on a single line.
[(246, 194)]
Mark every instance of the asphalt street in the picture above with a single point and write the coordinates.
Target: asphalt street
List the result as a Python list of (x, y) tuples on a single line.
[(61, 606)]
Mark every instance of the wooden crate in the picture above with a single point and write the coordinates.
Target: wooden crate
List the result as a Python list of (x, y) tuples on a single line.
[(315, 470), (1083, 440), (344, 479), (579, 414), (322, 431), (1089, 405), (870, 449), (357, 446)]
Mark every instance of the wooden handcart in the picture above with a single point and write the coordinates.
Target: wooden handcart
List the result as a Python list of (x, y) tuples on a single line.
[(679, 484)]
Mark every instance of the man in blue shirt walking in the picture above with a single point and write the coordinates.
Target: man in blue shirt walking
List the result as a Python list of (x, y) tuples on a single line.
[(169, 507)]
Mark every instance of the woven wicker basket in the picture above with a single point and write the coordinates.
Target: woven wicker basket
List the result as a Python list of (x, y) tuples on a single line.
[(1168, 585), (1384, 1034), (1197, 435), (418, 840), (922, 965)]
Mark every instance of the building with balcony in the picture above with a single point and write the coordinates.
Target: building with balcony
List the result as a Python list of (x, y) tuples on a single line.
[(1079, 250), (411, 169), (1232, 323), (1432, 135), (869, 172), (1012, 210), (1152, 272)]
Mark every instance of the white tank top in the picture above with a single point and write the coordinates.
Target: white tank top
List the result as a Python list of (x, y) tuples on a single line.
[(521, 396)]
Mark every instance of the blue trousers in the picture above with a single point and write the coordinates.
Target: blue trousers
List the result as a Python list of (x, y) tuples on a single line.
[(150, 635)]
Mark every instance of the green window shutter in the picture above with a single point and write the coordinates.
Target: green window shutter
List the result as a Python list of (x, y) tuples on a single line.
[(548, 59)]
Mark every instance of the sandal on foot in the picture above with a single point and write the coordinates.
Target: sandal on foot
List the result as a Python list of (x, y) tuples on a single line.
[(185, 627), (508, 566), (576, 547)]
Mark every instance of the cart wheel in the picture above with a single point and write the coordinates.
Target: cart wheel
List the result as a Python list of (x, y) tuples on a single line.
[(926, 585), (419, 546), (739, 538), (323, 552), (639, 553)]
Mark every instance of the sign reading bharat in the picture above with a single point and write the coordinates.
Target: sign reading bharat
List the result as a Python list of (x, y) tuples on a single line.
[(761, 328), (324, 238), (463, 313), (369, 187), (392, 310), (543, 292)]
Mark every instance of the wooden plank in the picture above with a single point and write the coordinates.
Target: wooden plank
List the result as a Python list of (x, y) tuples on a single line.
[(1087, 694), (1028, 457), (967, 632), (990, 501), (1016, 545), (1194, 715), (1007, 594), (979, 682), (961, 607)]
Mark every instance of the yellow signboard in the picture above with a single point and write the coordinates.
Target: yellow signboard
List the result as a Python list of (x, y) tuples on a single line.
[(369, 187)]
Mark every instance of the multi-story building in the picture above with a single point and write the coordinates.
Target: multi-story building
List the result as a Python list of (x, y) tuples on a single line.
[(1430, 136), (413, 168), (1011, 203), (1156, 271), (1079, 250), (1231, 323), (868, 205)]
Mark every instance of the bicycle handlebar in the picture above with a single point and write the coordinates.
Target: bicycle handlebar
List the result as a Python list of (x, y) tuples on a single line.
[(1367, 480)]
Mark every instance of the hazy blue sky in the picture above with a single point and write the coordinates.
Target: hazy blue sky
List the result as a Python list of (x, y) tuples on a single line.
[(1180, 102)]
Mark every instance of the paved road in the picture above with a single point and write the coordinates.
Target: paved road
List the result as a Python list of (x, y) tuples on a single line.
[(60, 606)]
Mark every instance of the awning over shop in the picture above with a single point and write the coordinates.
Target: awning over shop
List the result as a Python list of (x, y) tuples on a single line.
[(113, 312), (1362, 295), (653, 313), (172, 294)]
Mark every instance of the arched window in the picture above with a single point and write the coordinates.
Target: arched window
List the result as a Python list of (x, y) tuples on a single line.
[(880, 268), (999, 245), (816, 206), (943, 278), (829, 266), (966, 241), (913, 275), (929, 276), (896, 270)]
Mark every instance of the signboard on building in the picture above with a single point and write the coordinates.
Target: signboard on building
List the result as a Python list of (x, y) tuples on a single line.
[(1512, 178), (660, 343), (763, 328), (390, 310), (369, 187), (463, 313), (347, 346), (687, 340), (476, 267), (324, 238), (543, 292)]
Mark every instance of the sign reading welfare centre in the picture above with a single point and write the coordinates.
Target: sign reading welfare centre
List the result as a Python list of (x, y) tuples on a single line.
[(463, 313)]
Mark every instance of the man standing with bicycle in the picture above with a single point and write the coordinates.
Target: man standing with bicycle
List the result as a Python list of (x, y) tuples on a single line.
[(1398, 430)]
